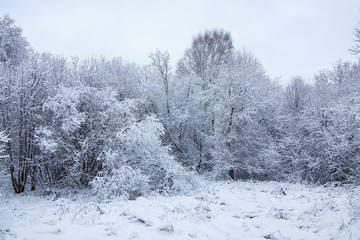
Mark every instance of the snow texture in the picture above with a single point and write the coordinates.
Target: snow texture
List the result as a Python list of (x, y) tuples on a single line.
[(217, 210)]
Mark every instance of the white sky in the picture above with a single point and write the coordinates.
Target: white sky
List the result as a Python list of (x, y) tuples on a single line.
[(290, 37)]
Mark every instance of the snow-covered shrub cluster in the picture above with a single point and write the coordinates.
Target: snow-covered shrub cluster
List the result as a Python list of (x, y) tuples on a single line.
[(129, 130), (138, 163)]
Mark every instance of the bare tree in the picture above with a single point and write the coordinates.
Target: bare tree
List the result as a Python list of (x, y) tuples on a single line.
[(208, 50), (13, 46), (340, 76), (356, 47), (296, 94), (160, 60)]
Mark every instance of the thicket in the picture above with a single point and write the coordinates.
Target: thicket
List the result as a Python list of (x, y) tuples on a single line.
[(124, 129)]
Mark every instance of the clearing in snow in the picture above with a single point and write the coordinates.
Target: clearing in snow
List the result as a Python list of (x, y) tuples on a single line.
[(217, 210)]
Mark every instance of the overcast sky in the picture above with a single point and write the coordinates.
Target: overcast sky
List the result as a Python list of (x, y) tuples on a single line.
[(290, 37)]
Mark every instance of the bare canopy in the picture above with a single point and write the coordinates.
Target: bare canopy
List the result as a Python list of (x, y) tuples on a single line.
[(208, 50)]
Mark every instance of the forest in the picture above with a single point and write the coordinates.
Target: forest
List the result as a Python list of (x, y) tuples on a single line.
[(124, 129)]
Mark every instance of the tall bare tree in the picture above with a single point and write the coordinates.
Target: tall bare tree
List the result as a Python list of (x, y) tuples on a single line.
[(356, 47), (161, 61), (296, 94), (207, 51)]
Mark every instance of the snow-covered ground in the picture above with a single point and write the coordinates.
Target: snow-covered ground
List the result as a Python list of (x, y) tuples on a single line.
[(217, 210)]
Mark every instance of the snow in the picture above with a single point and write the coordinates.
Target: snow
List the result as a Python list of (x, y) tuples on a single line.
[(216, 210)]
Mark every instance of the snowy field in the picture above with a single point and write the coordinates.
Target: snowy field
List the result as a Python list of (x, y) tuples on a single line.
[(226, 210)]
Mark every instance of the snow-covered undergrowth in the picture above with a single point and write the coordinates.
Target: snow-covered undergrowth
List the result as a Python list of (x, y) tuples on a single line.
[(217, 210)]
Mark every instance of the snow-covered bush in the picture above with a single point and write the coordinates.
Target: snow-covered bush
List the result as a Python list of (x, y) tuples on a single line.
[(137, 163), (123, 182), (82, 121)]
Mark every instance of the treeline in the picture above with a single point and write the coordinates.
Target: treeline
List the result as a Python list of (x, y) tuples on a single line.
[(125, 129)]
